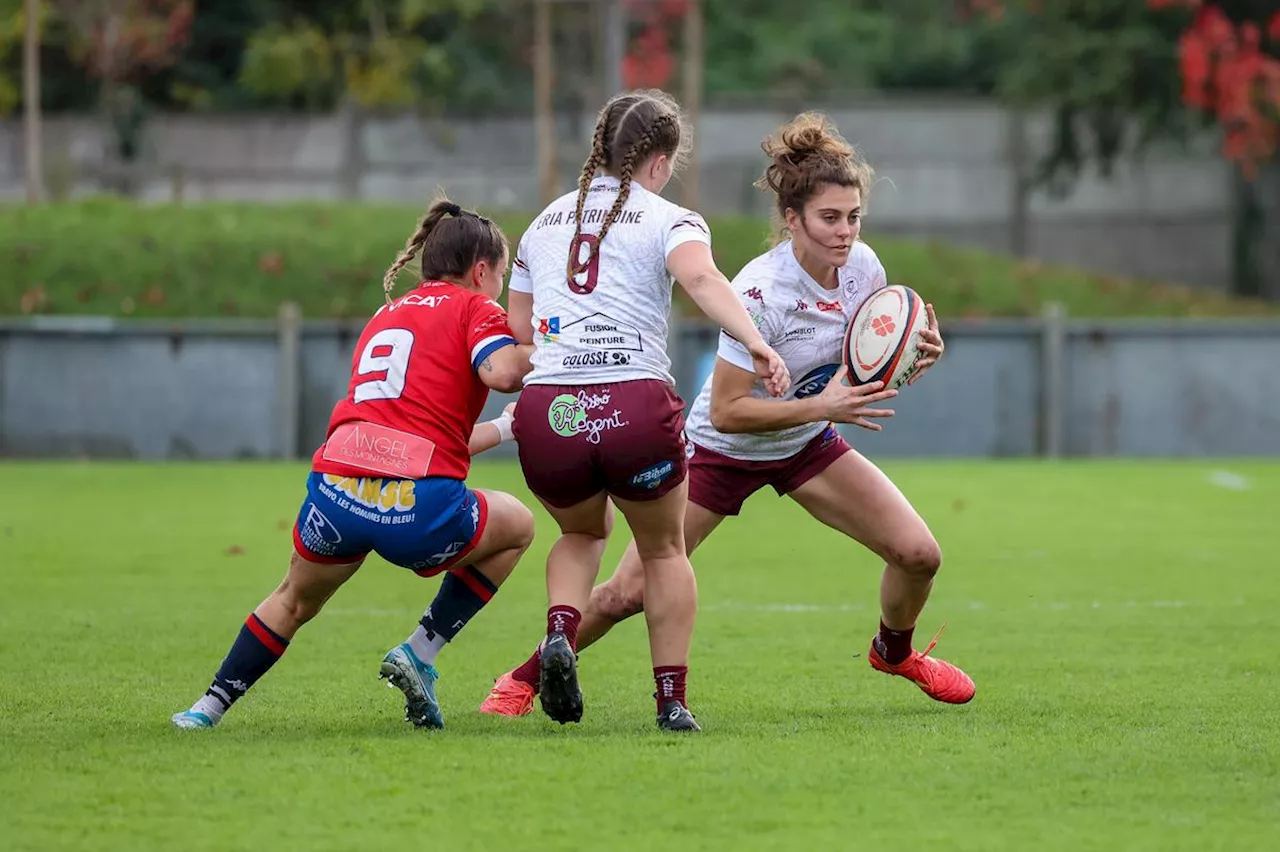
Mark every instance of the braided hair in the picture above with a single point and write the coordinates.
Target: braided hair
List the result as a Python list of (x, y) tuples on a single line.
[(451, 241), (629, 129)]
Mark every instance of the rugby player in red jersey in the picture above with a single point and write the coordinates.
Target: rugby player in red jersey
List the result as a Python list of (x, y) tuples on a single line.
[(390, 477)]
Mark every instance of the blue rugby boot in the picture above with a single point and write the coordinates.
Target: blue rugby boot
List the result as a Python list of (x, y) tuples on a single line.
[(192, 720), (417, 680)]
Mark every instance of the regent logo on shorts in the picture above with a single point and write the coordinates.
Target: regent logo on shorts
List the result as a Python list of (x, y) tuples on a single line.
[(568, 415), (651, 477)]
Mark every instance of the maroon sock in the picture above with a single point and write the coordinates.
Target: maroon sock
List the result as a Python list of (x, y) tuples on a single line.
[(530, 671), (565, 619), (671, 683), (894, 645)]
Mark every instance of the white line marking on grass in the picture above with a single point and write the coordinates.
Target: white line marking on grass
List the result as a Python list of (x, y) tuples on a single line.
[(1228, 480), (809, 609)]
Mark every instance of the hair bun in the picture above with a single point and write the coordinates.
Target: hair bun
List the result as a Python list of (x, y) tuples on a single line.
[(453, 209)]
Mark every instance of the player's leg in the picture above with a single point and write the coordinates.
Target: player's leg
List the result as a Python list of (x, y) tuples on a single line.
[(478, 542), (329, 546), (560, 467), (572, 566), (265, 635), (855, 497), (670, 597), (611, 602)]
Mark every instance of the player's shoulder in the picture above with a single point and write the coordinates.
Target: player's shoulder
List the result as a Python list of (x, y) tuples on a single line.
[(664, 211), (862, 261), (765, 274)]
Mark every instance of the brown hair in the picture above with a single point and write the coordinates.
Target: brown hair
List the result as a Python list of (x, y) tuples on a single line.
[(629, 129), (809, 153), (449, 246)]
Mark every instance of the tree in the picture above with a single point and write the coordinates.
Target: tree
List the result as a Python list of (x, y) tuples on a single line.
[(1166, 66), (375, 53), (120, 44), (1228, 73)]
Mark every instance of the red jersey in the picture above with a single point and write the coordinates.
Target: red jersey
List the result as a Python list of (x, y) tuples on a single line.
[(415, 371)]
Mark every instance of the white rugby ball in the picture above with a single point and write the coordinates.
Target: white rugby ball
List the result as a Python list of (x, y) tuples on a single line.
[(880, 344)]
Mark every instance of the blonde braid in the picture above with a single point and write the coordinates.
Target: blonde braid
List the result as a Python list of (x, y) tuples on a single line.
[(642, 148), (411, 249)]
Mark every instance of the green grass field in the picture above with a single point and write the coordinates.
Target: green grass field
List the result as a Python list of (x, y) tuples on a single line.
[(1118, 618)]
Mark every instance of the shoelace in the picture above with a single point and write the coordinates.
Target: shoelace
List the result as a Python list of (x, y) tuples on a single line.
[(933, 643)]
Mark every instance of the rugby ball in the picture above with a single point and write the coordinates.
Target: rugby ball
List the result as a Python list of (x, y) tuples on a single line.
[(880, 343)]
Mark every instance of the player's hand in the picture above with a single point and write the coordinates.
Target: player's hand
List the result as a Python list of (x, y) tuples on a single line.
[(844, 404), (770, 367), (510, 410), (930, 344)]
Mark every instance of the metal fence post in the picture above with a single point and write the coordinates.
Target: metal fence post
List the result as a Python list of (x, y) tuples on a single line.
[(289, 377), (1053, 353)]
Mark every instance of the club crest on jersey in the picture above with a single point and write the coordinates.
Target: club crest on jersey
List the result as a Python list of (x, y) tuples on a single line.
[(549, 328)]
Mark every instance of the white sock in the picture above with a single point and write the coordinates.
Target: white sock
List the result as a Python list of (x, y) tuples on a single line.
[(426, 645), (210, 706)]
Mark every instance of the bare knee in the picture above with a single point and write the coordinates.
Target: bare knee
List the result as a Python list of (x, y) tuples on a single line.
[(920, 558), (522, 528), (619, 599)]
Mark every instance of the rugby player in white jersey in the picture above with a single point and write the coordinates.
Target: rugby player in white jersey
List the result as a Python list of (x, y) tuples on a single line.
[(599, 418), (801, 294)]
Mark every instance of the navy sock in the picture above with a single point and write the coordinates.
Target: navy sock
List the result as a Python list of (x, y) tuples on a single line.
[(255, 651), (463, 593)]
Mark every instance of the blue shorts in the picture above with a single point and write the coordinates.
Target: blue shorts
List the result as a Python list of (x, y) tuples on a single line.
[(426, 525)]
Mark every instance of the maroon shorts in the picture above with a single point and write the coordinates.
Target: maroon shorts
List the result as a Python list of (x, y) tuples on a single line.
[(626, 438), (722, 484)]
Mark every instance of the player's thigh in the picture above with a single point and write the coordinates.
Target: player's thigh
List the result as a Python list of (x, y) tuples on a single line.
[(854, 496), (699, 523), (310, 583), (509, 524), (657, 525), (590, 517)]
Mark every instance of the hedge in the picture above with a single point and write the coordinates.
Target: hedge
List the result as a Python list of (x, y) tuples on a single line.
[(114, 257)]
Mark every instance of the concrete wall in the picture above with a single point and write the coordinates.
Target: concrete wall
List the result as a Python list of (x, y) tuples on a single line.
[(257, 389), (949, 171)]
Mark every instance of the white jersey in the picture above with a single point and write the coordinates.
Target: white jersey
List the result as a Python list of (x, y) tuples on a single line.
[(611, 325), (805, 324)]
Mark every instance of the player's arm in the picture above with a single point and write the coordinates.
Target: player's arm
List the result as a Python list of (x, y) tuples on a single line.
[(520, 315), (735, 410), (490, 433), (692, 265), (503, 369), (520, 298), (500, 362)]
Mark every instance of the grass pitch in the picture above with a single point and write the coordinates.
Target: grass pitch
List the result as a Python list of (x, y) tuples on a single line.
[(1118, 618)]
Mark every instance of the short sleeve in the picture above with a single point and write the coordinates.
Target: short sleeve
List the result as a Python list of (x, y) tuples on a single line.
[(686, 227), (487, 330), (730, 349), (521, 281)]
